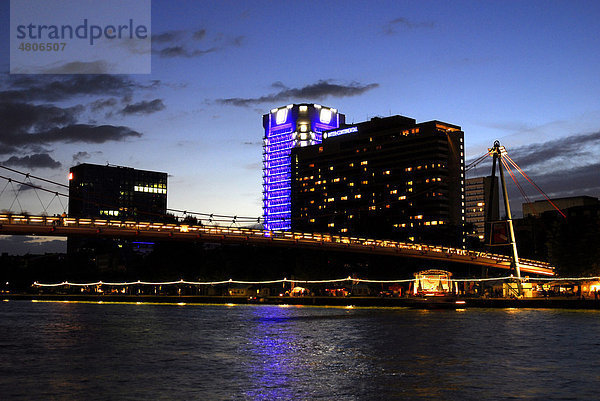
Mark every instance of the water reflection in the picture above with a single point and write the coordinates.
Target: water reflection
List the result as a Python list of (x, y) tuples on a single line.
[(91, 351), (272, 346)]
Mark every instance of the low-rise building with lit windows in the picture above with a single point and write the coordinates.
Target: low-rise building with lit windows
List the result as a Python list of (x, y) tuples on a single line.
[(384, 178), (117, 192)]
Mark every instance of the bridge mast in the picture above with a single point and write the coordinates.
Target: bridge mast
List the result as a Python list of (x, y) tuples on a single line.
[(496, 152)]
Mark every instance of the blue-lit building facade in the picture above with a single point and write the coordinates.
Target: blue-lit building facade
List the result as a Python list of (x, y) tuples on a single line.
[(292, 126)]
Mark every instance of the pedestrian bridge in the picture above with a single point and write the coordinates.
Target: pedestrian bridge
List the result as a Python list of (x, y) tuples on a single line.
[(20, 224)]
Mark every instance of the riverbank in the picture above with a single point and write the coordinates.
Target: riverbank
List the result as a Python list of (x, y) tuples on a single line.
[(423, 303)]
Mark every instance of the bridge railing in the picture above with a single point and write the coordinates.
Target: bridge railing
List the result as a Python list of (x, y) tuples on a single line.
[(240, 232)]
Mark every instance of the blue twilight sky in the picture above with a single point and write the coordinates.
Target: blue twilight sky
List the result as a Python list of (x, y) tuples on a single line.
[(523, 72)]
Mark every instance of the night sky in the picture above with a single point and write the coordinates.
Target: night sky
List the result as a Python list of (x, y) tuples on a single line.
[(525, 73)]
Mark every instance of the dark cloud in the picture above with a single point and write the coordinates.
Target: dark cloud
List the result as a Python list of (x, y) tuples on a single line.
[(57, 88), (86, 133), (79, 67), (28, 125), (181, 51), (144, 107), (320, 90), (21, 118), (402, 23), (168, 37), (199, 34), (558, 151), (100, 104), (80, 156), (181, 43), (34, 161)]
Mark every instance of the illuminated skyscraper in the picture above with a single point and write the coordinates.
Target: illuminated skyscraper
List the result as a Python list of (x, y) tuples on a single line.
[(295, 125)]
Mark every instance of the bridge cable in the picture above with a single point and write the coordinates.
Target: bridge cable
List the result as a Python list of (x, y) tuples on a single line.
[(514, 178), (534, 184), (16, 196), (476, 162), (33, 176)]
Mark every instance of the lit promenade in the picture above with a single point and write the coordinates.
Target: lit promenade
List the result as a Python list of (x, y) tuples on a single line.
[(12, 224)]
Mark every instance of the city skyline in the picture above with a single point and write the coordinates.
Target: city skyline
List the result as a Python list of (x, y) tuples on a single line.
[(523, 73)]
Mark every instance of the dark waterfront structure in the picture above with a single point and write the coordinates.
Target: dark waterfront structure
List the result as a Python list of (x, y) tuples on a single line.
[(295, 125), (569, 242), (478, 205), (115, 192), (383, 178)]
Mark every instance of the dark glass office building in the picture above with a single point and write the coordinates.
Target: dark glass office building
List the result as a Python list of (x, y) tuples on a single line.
[(384, 178), (119, 193)]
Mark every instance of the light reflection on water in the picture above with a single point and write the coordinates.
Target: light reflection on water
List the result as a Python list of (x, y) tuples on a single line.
[(71, 351)]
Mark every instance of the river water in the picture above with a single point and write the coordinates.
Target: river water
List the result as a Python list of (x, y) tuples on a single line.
[(85, 351)]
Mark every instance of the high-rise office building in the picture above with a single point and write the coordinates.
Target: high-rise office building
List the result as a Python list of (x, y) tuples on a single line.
[(296, 125), (478, 203), (117, 192), (384, 178)]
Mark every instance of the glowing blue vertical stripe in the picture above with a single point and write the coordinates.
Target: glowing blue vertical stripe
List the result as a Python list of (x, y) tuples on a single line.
[(277, 206)]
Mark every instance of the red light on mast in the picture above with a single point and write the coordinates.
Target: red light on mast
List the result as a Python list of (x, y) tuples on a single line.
[(70, 176)]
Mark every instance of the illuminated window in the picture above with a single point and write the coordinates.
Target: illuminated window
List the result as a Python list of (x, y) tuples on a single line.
[(364, 162), (351, 165), (331, 225), (402, 197), (320, 149), (344, 198), (350, 184), (408, 169), (358, 196), (325, 116), (387, 172), (281, 116), (395, 191), (344, 230), (303, 108), (364, 182), (372, 207)]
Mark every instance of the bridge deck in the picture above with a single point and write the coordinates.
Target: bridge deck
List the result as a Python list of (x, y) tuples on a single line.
[(11, 224)]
